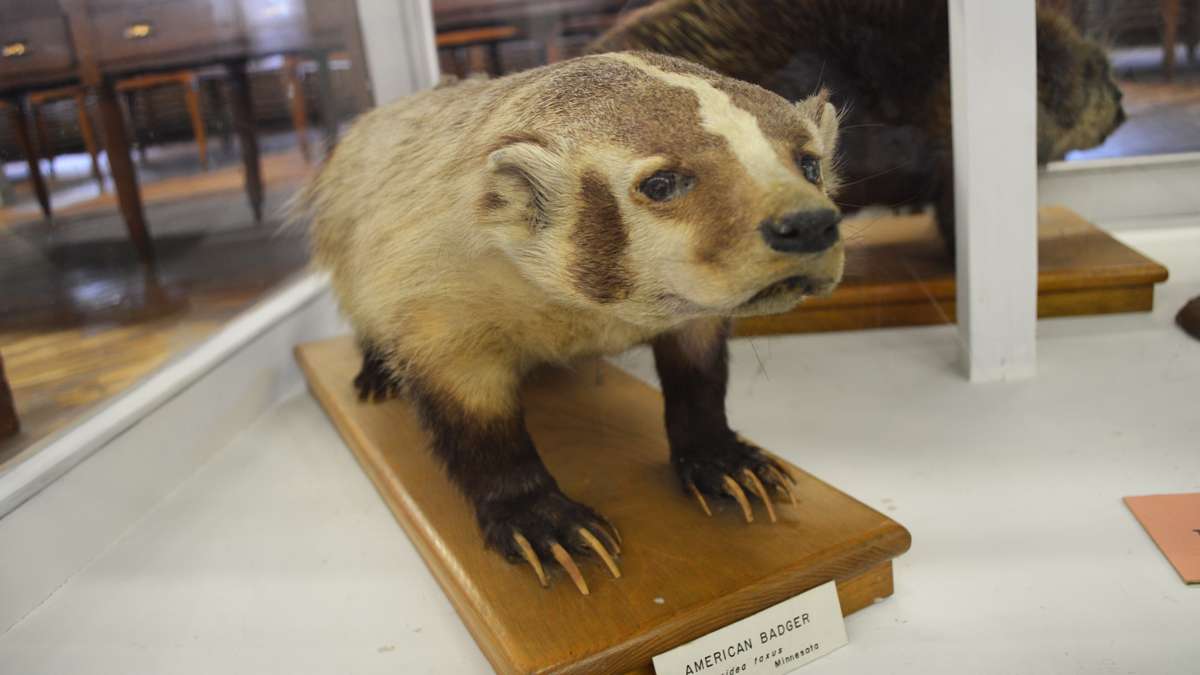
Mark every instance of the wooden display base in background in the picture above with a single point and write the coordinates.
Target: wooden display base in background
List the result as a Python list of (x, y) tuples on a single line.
[(898, 274), (600, 432)]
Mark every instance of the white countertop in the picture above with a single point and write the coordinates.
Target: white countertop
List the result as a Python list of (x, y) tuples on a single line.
[(277, 556)]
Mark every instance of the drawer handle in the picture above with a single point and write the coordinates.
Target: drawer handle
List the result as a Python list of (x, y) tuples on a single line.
[(15, 49), (139, 30)]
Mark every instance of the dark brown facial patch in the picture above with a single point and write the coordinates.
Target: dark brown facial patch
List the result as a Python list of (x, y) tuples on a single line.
[(600, 241), (492, 201)]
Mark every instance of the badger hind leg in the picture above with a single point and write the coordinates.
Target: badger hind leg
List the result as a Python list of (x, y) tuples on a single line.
[(376, 381)]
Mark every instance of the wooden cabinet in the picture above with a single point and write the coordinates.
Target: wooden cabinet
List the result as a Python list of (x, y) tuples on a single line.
[(127, 32), (120, 36), (98, 42), (35, 42)]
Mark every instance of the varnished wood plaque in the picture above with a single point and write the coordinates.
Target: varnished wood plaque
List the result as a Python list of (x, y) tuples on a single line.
[(898, 274), (600, 432)]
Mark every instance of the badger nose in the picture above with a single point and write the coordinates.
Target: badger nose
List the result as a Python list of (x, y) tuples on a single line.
[(803, 231)]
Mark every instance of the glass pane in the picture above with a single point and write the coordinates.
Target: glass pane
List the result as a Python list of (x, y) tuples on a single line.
[(147, 149), (1152, 47)]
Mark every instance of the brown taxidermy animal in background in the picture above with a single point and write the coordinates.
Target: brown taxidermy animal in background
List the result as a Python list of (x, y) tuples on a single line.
[(478, 231), (886, 64)]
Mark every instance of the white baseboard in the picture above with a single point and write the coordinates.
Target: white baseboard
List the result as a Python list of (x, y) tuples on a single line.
[(1127, 192)]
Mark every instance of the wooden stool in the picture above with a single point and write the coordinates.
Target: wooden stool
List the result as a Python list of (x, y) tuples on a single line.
[(25, 140), (293, 84), (7, 198), (1179, 16), (293, 71), (191, 93), (8, 412), (469, 40), (40, 98), (6, 192)]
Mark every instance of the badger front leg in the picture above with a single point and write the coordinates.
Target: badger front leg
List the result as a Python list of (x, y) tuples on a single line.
[(473, 414), (376, 380), (710, 459)]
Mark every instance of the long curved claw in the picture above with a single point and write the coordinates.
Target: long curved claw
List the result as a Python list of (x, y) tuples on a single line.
[(560, 554), (700, 498), (531, 558), (734, 490), (615, 532), (610, 542), (600, 551), (783, 471), (783, 484), (757, 488), (787, 490)]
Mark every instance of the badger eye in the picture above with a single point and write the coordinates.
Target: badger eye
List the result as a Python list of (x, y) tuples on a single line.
[(811, 168), (664, 185)]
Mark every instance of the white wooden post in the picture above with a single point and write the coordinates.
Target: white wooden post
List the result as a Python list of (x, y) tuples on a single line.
[(993, 68), (398, 38)]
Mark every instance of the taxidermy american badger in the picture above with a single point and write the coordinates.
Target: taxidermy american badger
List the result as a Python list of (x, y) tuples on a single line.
[(477, 231), (887, 66)]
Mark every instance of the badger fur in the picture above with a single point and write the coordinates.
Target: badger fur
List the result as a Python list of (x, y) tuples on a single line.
[(886, 63), (477, 231)]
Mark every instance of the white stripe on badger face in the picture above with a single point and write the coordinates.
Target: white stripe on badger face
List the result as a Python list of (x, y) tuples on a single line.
[(719, 116)]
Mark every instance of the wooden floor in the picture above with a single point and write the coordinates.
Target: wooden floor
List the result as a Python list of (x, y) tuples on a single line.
[(81, 320), (173, 176)]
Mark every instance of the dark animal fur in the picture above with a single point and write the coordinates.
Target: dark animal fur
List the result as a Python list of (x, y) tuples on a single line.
[(703, 447), (496, 466), (375, 380)]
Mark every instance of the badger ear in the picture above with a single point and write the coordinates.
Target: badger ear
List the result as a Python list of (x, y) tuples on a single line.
[(534, 173), (824, 116)]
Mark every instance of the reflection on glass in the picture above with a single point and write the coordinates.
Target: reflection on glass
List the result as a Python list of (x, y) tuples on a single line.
[(1152, 47), (147, 149)]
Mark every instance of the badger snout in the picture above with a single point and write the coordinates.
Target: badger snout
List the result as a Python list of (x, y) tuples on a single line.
[(802, 231)]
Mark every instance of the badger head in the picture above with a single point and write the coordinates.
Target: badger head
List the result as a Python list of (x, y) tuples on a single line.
[(659, 191)]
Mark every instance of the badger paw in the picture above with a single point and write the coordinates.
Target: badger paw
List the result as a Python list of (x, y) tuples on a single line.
[(375, 382), (731, 468), (546, 528)]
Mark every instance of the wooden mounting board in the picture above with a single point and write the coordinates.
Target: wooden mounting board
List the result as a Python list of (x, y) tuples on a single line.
[(600, 432), (898, 274)]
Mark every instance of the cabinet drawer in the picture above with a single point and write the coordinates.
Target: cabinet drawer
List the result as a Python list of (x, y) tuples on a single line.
[(133, 30), (34, 46)]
